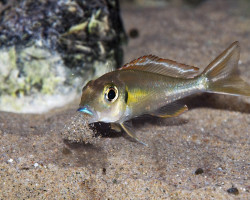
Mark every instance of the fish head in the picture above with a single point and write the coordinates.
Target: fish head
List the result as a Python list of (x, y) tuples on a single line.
[(103, 99)]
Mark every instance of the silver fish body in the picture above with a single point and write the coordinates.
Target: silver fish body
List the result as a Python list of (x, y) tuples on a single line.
[(151, 85), (147, 92)]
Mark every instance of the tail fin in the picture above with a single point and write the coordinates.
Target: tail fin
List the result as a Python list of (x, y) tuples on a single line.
[(222, 73)]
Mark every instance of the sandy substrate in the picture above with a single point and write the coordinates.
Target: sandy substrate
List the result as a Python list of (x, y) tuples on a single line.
[(39, 160)]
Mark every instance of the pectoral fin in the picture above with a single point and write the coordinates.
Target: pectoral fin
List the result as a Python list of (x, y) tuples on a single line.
[(170, 110), (115, 127), (127, 127)]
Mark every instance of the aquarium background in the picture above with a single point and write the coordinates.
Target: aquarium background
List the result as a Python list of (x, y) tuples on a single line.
[(51, 48)]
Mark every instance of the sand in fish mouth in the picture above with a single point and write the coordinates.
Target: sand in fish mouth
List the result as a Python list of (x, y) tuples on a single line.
[(78, 130)]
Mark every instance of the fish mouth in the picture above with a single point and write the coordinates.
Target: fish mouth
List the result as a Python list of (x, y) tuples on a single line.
[(89, 112), (86, 109)]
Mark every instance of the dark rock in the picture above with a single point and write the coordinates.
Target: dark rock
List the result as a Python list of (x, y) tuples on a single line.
[(199, 171), (133, 33), (233, 190)]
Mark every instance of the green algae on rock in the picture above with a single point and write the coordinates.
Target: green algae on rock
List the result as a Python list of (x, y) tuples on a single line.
[(49, 49)]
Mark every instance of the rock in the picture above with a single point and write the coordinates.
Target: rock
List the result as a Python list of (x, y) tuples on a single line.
[(233, 190), (199, 171), (50, 48)]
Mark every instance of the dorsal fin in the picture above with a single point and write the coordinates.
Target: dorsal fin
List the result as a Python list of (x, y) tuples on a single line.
[(162, 66)]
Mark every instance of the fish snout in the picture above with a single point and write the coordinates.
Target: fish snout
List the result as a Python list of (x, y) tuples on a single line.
[(86, 109), (90, 112)]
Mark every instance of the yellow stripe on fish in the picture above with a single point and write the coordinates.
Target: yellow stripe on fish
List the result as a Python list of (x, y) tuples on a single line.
[(135, 95)]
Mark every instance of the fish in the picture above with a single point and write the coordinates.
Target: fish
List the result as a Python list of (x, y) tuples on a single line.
[(151, 85)]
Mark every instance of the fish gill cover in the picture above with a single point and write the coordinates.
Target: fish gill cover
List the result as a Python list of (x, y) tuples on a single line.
[(50, 48)]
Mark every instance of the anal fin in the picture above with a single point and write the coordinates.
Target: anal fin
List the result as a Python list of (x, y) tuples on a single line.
[(127, 127), (170, 110)]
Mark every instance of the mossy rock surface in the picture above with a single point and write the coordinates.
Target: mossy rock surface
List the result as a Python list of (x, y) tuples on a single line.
[(50, 48)]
